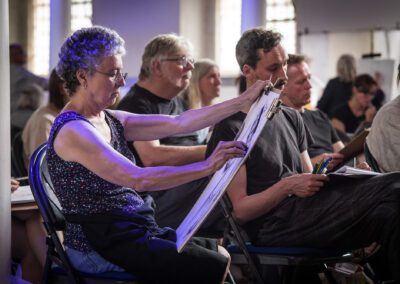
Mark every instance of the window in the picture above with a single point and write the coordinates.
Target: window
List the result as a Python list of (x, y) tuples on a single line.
[(280, 16), (41, 37), (81, 14), (228, 23)]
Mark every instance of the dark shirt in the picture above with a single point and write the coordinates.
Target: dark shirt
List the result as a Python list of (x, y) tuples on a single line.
[(336, 92), (379, 99), (141, 101), (345, 115), (322, 131), (80, 191), (276, 154)]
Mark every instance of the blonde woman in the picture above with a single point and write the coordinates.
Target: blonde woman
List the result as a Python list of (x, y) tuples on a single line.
[(203, 89)]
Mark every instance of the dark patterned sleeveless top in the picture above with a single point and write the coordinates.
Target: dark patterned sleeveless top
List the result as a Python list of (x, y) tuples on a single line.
[(79, 190)]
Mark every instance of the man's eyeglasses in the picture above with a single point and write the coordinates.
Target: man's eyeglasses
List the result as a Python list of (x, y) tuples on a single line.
[(183, 61), (114, 76)]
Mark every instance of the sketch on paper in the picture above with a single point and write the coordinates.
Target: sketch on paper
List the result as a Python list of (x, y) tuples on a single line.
[(261, 111)]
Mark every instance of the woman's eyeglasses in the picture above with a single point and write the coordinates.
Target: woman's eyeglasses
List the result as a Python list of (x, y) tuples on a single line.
[(115, 76), (183, 61)]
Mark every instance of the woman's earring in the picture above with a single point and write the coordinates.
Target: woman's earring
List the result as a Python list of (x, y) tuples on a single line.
[(85, 84)]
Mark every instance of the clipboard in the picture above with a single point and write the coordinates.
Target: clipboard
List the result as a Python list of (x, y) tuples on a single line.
[(260, 113), (355, 146)]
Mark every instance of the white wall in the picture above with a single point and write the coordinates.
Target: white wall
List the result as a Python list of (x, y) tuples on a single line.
[(137, 21), (346, 15)]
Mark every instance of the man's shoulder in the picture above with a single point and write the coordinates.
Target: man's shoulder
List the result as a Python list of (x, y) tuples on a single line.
[(290, 113), (135, 100), (315, 113)]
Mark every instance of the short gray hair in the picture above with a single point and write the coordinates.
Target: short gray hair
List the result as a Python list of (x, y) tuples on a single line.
[(159, 46), (251, 41), (85, 49)]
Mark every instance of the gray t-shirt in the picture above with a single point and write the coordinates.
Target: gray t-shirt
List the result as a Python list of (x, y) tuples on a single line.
[(276, 154)]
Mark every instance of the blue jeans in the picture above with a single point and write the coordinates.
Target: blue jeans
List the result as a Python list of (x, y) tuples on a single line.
[(90, 262)]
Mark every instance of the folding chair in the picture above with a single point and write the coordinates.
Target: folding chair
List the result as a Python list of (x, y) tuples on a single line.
[(370, 159), (256, 258), (58, 268)]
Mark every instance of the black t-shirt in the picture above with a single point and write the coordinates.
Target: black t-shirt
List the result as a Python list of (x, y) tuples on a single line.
[(141, 101), (276, 154), (345, 115), (336, 92), (322, 131)]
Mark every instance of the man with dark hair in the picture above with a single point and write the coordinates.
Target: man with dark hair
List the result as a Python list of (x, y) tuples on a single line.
[(297, 94), (278, 200)]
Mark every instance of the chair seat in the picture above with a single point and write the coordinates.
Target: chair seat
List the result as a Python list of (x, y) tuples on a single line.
[(112, 275)]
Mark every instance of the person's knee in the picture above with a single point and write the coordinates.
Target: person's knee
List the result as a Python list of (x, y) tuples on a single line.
[(225, 253)]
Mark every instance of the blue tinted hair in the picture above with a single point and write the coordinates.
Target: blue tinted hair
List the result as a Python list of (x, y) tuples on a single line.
[(85, 49)]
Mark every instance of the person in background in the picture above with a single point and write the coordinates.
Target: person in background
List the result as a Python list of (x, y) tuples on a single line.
[(109, 226), (384, 139), (30, 99), (339, 89), (37, 129), (359, 110), (297, 94), (20, 76), (204, 88), (28, 241)]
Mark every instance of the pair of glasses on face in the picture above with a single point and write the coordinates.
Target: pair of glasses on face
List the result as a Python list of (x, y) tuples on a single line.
[(183, 61), (368, 93), (115, 76)]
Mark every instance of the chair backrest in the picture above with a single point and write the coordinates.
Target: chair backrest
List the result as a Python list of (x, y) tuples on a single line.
[(53, 220), (17, 159), (50, 210), (370, 159)]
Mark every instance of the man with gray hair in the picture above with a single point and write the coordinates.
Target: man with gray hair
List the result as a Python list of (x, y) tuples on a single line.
[(166, 69)]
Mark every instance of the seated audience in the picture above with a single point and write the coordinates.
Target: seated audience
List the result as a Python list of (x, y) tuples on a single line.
[(109, 226), (204, 88), (339, 89), (167, 65), (277, 199), (384, 139), (297, 94), (28, 241), (358, 111), (20, 76), (37, 129)]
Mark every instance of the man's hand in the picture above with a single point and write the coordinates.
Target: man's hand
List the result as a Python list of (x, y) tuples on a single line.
[(370, 113), (304, 185), (363, 166), (336, 159)]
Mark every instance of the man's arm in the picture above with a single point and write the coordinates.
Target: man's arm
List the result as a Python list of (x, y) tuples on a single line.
[(152, 153), (248, 207)]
